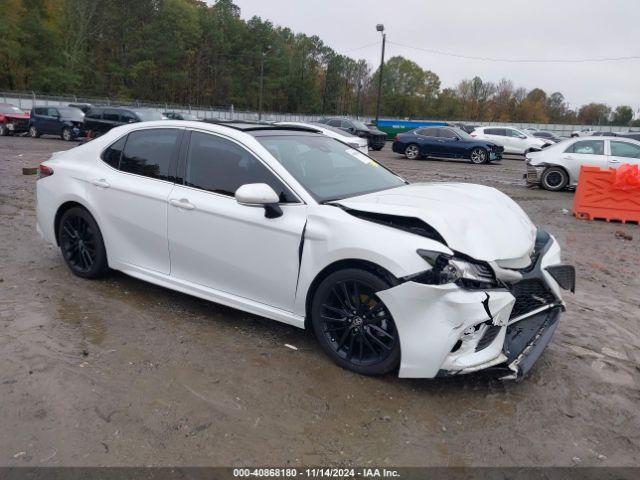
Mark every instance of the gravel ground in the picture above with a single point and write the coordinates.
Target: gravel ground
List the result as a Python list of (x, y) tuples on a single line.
[(120, 372)]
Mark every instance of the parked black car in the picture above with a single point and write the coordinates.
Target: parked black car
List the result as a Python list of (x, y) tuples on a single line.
[(180, 116), (546, 135), (67, 122), (85, 107), (100, 120), (375, 137), (451, 142), (632, 135)]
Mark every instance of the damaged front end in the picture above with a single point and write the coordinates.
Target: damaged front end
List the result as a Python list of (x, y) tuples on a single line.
[(463, 315)]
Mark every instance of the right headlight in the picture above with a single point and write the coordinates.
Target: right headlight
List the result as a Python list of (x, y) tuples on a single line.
[(450, 269)]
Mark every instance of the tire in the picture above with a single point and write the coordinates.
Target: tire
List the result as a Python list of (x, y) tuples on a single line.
[(67, 134), (554, 179), (3, 130), (377, 149), (412, 151), (33, 132), (365, 342), (81, 244), (479, 155)]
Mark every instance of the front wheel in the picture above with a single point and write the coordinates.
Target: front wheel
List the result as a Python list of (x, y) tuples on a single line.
[(67, 134), (33, 132), (353, 326), (4, 131), (479, 155), (554, 179), (81, 244), (412, 152)]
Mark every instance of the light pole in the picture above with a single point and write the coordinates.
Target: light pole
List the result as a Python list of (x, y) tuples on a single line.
[(261, 85), (380, 28)]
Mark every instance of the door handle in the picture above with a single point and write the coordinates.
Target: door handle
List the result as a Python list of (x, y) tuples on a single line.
[(100, 183), (182, 203), (614, 160), (568, 157)]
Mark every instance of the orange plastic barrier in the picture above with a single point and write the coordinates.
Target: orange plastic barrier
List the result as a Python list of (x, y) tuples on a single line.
[(609, 195)]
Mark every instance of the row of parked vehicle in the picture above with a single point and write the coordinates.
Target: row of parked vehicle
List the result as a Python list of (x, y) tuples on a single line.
[(553, 164), (82, 119), (76, 119)]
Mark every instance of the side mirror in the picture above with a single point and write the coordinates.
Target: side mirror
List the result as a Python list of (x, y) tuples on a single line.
[(522, 136), (260, 195)]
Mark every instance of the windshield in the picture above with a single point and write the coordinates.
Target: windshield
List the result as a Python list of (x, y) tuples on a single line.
[(328, 169), (333, 129), (461, 133), (359, 125), (70, 112), (10, 109), (147, 115)]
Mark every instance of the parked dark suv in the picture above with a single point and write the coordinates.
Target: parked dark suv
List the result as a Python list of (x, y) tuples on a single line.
[(66, 122), (99, 120), (375, 137)]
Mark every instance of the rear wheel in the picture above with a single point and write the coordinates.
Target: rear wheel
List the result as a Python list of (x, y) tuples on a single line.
[(554, 179), (33, 132), (479, 155), (412, 152), (353, 326), (81, 244), (4, 131)]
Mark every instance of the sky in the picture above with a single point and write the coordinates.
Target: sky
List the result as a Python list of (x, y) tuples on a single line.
[(507, 29)]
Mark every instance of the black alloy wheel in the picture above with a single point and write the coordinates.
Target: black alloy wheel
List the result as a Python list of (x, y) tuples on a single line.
[(81, 244), (353, 325)]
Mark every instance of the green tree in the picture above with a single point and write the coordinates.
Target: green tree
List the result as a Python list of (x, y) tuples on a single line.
[(622, 115)]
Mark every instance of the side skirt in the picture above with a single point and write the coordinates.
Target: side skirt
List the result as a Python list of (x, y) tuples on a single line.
[(212, 295)]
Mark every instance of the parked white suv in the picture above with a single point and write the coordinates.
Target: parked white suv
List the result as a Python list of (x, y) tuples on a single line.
[(558, 167), (513, 140)]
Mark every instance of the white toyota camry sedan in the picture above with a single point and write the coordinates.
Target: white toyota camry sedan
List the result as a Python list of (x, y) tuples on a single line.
[(424, 279)]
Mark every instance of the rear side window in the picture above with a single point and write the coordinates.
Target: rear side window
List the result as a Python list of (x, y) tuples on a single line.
[(111, 156), (624, 149), (111, 115), (219, 165), (495, 131), (587, 147), (149, 152), (335, 123), (94, 114), (429, 132)]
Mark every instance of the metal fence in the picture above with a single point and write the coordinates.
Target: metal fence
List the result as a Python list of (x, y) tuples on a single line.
[(27, 100)]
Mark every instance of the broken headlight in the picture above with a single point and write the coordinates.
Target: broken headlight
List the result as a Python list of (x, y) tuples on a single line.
[(451, 269)]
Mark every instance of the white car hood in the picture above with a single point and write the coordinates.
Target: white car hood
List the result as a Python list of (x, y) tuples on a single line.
[(479, 221)]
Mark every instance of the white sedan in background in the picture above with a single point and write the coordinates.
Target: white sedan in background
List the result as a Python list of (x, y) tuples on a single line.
[(430, 279), (353, 141), (558, 166), (513, 140)]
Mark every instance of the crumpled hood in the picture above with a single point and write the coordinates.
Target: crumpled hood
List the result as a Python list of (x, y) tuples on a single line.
[(479, 221)]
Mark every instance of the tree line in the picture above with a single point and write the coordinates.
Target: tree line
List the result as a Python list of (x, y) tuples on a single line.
[(191, 52)]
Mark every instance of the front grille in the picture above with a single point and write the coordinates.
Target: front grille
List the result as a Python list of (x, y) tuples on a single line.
[(530, 295)]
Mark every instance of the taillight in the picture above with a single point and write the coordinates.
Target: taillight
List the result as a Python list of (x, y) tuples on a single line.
[(44, 171)]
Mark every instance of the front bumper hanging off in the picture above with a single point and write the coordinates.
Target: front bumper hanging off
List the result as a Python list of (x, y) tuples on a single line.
[(446, 330)]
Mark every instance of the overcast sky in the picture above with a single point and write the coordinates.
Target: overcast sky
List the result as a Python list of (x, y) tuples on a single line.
[(513, 29)]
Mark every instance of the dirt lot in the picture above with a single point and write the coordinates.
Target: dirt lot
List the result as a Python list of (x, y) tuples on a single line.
[(120, 372)]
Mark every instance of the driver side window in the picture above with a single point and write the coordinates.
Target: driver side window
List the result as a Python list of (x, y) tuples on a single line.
[(218, 165), (514, 133)]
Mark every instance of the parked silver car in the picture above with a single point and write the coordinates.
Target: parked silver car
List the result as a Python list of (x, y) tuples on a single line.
[(558, 166)]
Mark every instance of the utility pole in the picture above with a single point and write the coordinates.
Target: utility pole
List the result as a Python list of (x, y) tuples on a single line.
[(358, 101), (261, 85), (380, 28)]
